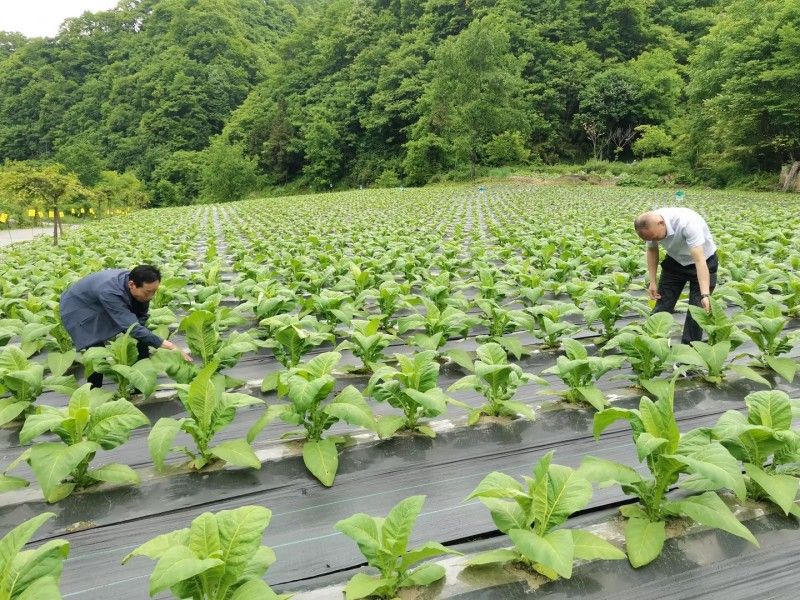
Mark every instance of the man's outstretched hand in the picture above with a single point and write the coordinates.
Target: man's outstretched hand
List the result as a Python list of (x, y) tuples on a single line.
[(652, 290), (173, 346)]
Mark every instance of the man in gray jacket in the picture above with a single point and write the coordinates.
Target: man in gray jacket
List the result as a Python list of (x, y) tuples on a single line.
[(691, 258), (104, 304)]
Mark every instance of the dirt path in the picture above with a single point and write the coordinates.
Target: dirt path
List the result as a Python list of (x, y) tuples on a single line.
[(12, 236)]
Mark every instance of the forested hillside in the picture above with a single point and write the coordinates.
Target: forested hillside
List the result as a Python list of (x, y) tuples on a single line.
[(359, 92)]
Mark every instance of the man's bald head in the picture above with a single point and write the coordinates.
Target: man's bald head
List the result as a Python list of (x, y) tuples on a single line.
[(650, 226)]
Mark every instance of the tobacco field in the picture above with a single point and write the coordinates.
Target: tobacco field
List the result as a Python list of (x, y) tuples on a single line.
[(453, 392)]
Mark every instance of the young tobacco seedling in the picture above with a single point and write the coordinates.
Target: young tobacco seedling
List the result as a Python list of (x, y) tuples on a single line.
[(31, 574), (501, 322), (549, 325), (219, 557), (384, 543), (25, 381), (667, 454), (210, 409), (90, 422), (368, 343), (411, 388), (291, 337), (202, 335), (718, 325), (308, 387), (119, 360), (767, 446), (579, 371), (497, 380), (765, 330), (531, 514), (712, 359), (646, 347), (607, 307), (439, 325)]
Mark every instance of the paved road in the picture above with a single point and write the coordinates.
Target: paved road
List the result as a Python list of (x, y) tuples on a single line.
[(11, 236)]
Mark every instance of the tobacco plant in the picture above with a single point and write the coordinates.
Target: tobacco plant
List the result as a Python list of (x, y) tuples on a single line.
[(497, 380), (767, 446), (31, 574), (91, 421), (308, 387), (119, 360), (579, 372), (646, 347), (24, 381), (667, 454), (291, 337), (368, 343), (766, 331), (413, 389), (210, 409), (531, 514), (384, 543), (218, 557)]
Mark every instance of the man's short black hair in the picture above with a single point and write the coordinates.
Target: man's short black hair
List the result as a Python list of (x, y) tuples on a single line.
[(144, 274)]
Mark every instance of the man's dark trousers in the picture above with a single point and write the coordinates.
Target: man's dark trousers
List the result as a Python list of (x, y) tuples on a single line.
[(96, 379), (673, 279)]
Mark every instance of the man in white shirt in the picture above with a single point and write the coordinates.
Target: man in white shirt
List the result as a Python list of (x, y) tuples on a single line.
[(691, 257)]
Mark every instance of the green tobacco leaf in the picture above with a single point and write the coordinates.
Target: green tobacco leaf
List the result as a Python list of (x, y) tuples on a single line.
[(8, 483), (772, 409), (399, 522), (52, 463), (593, 396), (115, 473), (236, 452), (38, 423), (349, 406), (10, 410), (178, 564), (589, 546), (205, 392), (599, 470), (200, 334), (785, 367), (270, 414), (709, 509), (142, 376), (562, 492), (554, 550), (322, 460), (46, 587), (782, 489), (362, 585), (643, 540), (15, 540), (715, 463), (387, 425), (748, 373), (156, 547), (607, 416), (497, 485), (161, 439), (428, 550), (45, 562), (111, 423), (204, 536), (425, 575), (506, 515), (240, 534), (363, 529), (59, 362), (255, 589), (494, 556)]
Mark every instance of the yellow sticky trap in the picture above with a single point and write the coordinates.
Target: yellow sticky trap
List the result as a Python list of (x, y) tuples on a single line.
[(41, 214), (61, 214), (51, 214), (3, 217), (31, 212)]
